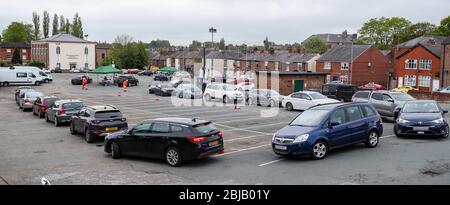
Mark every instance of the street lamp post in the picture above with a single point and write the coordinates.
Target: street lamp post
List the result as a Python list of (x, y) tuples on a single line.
[(212, 31), (86, 65)]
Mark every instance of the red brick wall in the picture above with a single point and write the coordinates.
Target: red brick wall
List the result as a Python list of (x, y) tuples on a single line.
[(8, 61), (417, 53), (286, 82), (98, 56), (446, 65), (425, 95)]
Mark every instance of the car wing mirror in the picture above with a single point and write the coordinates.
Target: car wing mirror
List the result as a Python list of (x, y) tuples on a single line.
[(397, 112), (445, 111), (390, 100)]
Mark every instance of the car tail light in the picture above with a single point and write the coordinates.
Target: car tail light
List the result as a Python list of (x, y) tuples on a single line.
[(44, 107), (61, 111), (197, 139), (96, 121), (220, 134), (26, 100)]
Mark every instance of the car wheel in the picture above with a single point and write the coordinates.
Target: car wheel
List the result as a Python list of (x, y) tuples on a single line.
[(56, 122), (320, 150), (446, 132), (180, 95), (372, 140), (5, 84), (173, 157), (46, 81), (271, 103), (115, 150), (72, 129), (207, 97), (88, 136), (289, 106), (37, 83)]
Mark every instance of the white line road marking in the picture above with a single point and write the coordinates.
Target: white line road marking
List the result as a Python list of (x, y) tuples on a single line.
[(242, 129), (246, 119), (261, 125), (241, 150), (387, 136), (271, 162), (248, 137)]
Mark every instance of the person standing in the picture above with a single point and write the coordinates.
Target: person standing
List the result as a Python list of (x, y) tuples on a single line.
[(125, 85), (84, 83)]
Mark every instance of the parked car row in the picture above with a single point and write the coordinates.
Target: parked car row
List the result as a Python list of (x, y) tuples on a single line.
[(23, 75), (173, 139)]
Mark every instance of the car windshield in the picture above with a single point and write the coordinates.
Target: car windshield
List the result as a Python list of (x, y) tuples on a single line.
[(421, 107), (205, 127), (273, 93), (317, 96), (33, 94), (309, 118), (402, 96), (72, 105), (108, 114)]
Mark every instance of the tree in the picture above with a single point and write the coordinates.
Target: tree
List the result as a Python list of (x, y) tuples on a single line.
[(36, 64), (196, 44), (123, 39), (243, 47), (77, 27), (444, 28), (315, 44), (140, 55), (416, 30), (159, 44), (107, 61), (46, 24), (16, 60), (18, 32), (62, 24), (383, 32), (266, 44), (55, 29), (128, 54), (222, 44), (67, 27), (36, 24)]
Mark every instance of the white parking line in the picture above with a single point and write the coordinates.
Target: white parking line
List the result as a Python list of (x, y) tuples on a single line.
[(242, 129), (242, 150), (246, 119), (271, 162), (248, 137), (261, 125)]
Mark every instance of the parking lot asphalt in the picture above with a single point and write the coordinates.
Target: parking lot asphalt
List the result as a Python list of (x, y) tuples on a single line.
[(30, 148)]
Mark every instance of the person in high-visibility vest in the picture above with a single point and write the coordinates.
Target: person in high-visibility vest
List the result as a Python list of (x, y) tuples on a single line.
[(84, 83), (125, 85)]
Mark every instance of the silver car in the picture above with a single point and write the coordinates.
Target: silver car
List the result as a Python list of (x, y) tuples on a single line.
[(384, 101), (62, 110), (26, 102)]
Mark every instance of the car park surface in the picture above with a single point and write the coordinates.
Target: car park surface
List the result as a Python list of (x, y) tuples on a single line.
[(43, 150)]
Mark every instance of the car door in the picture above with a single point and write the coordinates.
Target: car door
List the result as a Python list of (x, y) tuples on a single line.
[(357, 125), (263, 97), (36, 105), (377, 101), (302, 102), (388, 105), (156, 140), (81, 120), (51, 112), (337, 128), (134, 142)]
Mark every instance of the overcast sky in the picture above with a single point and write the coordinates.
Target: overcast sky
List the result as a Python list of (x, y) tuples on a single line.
[(238, 21)]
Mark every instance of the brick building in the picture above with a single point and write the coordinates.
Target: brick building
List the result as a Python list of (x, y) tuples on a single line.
[(289, 82), (445, 63), (7, 50), (417, 63), (102, 50), (336, 39), (357, 64)]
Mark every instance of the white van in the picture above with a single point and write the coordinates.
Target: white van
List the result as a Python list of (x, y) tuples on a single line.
[(19, 77), (47, 77)]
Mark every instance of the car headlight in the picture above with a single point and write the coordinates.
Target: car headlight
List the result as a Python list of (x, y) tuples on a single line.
[(438, 121), (400, 120), (273, 137), (301, 138)]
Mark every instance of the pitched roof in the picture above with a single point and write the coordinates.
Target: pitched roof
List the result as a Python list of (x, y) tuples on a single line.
[(334, 38), (431, 43), (224, 55), (64, 37), (103, 46), (343, 53), (447, 41), (14, 45)]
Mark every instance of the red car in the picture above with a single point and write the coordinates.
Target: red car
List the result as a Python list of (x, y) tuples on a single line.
[(41, 105), (133, 71), (371, 86)]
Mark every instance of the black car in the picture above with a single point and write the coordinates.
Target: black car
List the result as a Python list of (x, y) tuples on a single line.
[(164, 90), (95, 120), (145, 72), (57, 70), (152, 86), (132, 81), (160, 77), (172, 139), (79, 80), (339, 91), (421, 118)]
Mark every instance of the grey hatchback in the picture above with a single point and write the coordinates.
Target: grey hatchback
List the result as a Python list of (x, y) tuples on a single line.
[(62, 110), (384, 101)]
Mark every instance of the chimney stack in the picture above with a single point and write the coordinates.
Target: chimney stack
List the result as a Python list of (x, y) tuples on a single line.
[(344, 34)]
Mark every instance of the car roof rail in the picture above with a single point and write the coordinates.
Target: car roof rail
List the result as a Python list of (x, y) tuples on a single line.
[(112, 106)]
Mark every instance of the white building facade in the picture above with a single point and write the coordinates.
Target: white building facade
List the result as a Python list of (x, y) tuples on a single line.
[(64, 51)]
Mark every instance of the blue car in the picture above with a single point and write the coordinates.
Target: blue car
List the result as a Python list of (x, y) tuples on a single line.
[(325, 127), (421, 118)]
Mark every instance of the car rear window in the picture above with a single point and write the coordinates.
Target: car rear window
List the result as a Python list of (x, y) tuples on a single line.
[(33, 94), (50, 101), (377, 96), (72, 105), (205, 128), (108, 114), (368, 111), (362, 95)]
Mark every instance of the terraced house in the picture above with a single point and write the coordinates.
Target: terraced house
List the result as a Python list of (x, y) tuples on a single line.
[(7, 51), (355, 64), (417, 63)]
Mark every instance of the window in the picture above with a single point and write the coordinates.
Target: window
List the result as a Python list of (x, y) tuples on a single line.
[(300, 66), (425, 64), (328, 78), (58, 65), (344, 66), (411, 64), (277, 66), (377, 96), (343, 78), (266, 65), (327, 65), (368, 111), (296, 95), (103, 56), (24, 51), (288, 66), (338, 117), (304, 96), (86, 51), (86, 65), (424, 81), (160, 127), (21, 75), (225, 63), (410, 80), (362, 95), (386, 97), (58, 50), (8, 50), (353, 113), (142, 128), (176, 128)]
